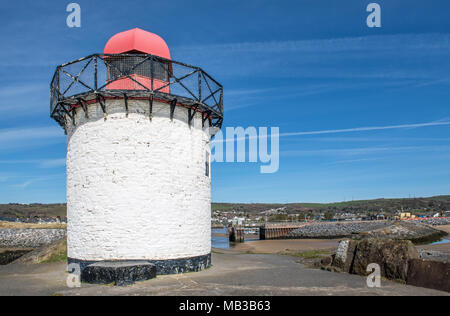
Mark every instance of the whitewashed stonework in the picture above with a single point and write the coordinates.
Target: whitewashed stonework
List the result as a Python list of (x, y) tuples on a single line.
[(137, 188)]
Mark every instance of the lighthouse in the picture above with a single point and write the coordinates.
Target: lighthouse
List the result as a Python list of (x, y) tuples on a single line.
[(138, 127)]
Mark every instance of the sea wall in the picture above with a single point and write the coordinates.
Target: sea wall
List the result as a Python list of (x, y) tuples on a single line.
[(29, 238), (434, 221), (336, 229), (417, 232)]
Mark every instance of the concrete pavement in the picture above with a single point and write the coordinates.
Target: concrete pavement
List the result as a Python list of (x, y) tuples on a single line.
[(231, 274)]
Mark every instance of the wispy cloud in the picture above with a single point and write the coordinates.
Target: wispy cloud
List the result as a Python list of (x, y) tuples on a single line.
[(349, 139), (23, 138), (335, 45), (364, 151), (32, 180), (42, 163), (53, 163), (20, 90), (350, 161), (238, 99), (29, 133), (24, 185), (410, 58), (366, 129), (347, 130)]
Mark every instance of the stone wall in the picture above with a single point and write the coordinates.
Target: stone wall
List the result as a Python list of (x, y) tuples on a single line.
[(29, 238), (429, 274)]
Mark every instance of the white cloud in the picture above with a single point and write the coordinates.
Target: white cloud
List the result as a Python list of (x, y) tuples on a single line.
[(366, 129), (24, 185), (344, 44), (53, 163), (41, 163), (29, 133), (352, 130), (20, 90), (29, 181), (404, 59), (364, 151)]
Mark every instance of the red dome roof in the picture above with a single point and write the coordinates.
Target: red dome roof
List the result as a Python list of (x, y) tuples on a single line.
[(137, 40)]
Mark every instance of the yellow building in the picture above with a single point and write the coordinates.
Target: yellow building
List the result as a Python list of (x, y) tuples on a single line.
[(406, 215)]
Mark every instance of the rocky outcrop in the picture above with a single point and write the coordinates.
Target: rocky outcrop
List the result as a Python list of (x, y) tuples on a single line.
[(392, 257), (29, 238), (398, 260)]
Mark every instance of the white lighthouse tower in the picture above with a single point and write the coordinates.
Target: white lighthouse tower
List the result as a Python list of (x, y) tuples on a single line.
[(138, 155)]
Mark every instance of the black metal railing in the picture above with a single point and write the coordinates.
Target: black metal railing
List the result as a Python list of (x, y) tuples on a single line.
[(101, 76)]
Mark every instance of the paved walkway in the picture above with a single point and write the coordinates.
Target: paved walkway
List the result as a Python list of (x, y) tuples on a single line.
[(231, 274)]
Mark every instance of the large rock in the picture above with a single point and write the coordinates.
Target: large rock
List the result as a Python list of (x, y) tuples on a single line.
[(118, 273), (345, 253), (429, 274), (392, 257)]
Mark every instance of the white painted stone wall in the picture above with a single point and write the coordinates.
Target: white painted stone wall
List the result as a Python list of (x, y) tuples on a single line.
[(137, 189)]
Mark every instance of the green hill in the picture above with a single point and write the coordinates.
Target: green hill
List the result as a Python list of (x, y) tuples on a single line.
[(416, 205)]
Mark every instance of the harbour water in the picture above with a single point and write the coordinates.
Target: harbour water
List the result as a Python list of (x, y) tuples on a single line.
[(222, 242), (443, 241)]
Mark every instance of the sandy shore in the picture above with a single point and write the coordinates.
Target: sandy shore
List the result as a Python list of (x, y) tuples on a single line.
[(277, 246), (445, 228), (440, 247)]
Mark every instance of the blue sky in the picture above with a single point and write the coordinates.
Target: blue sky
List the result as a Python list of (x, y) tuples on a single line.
[(303, 66)]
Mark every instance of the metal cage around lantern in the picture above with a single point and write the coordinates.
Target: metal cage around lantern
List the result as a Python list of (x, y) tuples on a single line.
[(99, 77)]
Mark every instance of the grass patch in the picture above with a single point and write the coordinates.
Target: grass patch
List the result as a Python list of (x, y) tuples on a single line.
[(56, 257), (57, 254), (311, 254)]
